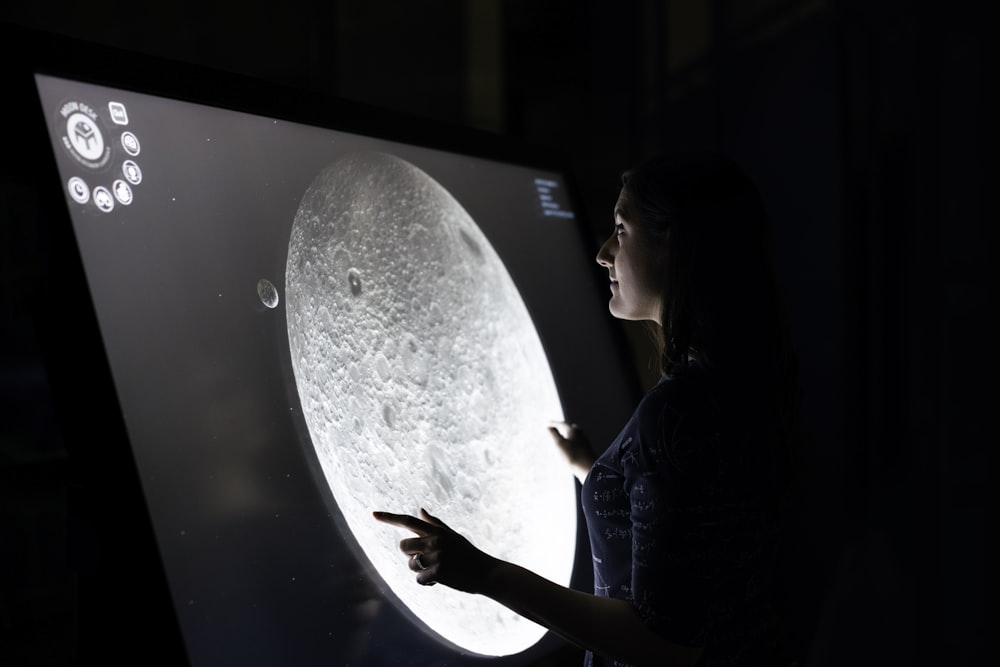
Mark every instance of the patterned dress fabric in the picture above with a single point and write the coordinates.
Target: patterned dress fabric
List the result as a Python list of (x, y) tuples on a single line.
[(683, 519)]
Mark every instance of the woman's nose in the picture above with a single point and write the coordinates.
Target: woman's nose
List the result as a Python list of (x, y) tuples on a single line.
[(604, 256)]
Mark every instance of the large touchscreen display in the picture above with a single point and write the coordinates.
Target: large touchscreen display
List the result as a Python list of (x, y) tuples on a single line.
[(305, 325)]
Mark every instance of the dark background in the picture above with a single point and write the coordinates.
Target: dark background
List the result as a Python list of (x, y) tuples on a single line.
[(869, 128)]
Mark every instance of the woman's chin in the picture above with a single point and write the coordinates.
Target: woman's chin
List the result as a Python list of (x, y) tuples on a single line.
[(620, 313), (614, 308)]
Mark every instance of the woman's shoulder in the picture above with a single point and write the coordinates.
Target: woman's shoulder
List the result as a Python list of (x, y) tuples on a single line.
[(686, 393), (676, 413)]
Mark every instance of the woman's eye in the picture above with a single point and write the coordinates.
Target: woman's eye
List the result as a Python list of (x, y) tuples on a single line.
[(619, 230)]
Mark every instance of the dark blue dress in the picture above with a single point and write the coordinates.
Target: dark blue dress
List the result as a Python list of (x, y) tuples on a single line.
[(682, 511)]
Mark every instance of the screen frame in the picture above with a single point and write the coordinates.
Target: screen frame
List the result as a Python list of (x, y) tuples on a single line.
[(122, 598)]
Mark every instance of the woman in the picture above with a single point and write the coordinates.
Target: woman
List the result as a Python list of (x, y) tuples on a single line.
[(684, 508)]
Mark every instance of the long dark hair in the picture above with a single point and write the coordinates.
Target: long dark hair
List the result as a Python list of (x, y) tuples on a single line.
[(721, 307)]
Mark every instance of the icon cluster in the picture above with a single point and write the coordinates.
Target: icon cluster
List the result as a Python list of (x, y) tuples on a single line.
[(86, 142)]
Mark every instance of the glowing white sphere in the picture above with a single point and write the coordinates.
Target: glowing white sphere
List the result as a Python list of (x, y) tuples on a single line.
[(423, 383)]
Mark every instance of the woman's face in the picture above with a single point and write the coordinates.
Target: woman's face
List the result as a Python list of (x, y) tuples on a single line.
[(636, 266)]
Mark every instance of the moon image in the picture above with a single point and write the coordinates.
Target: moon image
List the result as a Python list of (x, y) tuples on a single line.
[(267, 292), (423, 383)]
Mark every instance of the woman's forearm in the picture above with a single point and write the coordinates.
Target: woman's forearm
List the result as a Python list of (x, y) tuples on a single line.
[(603, 625)]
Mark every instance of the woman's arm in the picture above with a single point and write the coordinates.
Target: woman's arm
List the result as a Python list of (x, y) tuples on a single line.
[(603, 625)]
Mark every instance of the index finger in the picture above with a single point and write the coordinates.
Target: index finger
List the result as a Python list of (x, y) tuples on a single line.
[(419, 527)]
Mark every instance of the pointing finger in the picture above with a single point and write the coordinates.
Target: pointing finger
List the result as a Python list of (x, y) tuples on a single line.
[(404, 520)]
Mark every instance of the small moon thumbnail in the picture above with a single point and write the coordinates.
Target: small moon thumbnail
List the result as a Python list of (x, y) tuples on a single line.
[(267, 292)]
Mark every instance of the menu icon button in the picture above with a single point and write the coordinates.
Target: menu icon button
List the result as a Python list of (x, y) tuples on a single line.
[(78, 190), (119, 116)]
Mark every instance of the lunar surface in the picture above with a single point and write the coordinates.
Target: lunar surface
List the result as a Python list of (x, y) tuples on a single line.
[(423, 384)]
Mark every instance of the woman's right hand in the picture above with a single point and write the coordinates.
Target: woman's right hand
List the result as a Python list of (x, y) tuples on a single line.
[(575, 446)]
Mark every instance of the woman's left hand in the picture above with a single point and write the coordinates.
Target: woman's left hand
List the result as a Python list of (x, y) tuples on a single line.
[(440, 555)]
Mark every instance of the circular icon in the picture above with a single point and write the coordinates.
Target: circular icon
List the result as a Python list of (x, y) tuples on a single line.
[(85, 136), (123, 193), (78, 190), (130, 143), (103, 199), (132, 172)]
